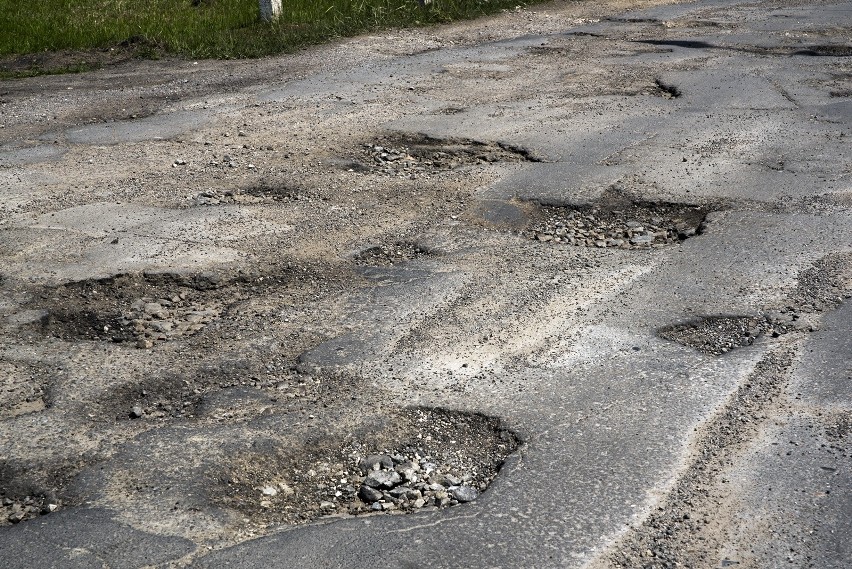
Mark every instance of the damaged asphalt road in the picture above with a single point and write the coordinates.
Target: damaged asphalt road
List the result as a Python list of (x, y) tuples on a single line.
[(565, 287)]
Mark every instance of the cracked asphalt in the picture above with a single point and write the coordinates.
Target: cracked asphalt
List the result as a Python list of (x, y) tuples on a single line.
[(591, 258)]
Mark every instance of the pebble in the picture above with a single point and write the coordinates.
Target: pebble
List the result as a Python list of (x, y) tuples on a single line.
[(375, 462), (136, 412), (464, 493)]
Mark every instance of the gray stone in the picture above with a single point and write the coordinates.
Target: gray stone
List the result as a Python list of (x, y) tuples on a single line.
[(641, 239), (369, 495), (382, 479), (452, 480), (154, 309), (464, 493), (136, 412), (375, 462)]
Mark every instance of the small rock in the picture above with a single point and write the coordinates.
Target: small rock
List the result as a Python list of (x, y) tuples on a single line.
[(400, 491), (144, 343), (464, 493), (326, 505), (161, 326), (375, 462), (452, 480), (136, 412), (369, 495), (154, 309), (382, 479), (269, 491), (16, 517)]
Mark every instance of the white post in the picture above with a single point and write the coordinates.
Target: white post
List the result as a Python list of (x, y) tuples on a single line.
[(270, 10)]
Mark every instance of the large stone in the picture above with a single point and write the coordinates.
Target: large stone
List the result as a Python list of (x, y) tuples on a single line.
[(382, 479)]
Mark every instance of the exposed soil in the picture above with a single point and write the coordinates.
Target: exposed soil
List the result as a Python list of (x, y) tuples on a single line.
[(825, 285), (25, 388)]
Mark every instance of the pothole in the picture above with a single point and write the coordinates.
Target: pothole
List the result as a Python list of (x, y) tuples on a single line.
[(156, 396), (825, 50), (267, 193), (404, 155), (128, 309), (424, 458), (618, 222), (717, 335), (19, 509), (29, 490), (389, 255)]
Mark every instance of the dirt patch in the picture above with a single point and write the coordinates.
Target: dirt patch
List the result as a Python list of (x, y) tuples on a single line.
[(407, 155), (824, 285), (838, 427), (132, 308), (666, 90), (30, 489), (423, 458), (619, 222), (717, 335), (392, 254), (144, 309), (266, 193), (25, 389)]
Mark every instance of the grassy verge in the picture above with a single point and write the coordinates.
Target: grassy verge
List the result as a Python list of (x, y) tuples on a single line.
[(198, 28)]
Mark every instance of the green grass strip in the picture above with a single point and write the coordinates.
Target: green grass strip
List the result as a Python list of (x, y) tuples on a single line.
[(211, 28)]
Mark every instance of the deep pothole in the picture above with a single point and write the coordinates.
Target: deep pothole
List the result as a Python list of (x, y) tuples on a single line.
[(618, 222), (266, 193), (428, 458), (135, 309), (144, 309), (29, 490), (391, 254), (717, 335), (412, 155)]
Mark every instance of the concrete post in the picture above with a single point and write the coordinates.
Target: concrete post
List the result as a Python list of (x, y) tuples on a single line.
[(270, 10)]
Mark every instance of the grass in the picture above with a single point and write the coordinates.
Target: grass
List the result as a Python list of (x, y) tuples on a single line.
[(200, 28)]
